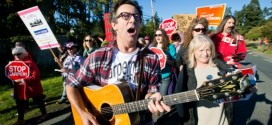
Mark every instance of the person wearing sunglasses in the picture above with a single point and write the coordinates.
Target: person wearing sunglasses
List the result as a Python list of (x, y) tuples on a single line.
[(161, 41), (89, 45), (196, 27), (120, 61), (29, 87), (230, 45)]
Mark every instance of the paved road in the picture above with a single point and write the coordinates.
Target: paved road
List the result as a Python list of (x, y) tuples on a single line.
[(61, 116), (256, 111)]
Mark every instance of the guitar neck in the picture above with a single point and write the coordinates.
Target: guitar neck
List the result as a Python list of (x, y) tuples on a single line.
[(141, 105)]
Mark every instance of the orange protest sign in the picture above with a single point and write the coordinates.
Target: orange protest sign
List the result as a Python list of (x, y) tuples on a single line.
[(213, 13)]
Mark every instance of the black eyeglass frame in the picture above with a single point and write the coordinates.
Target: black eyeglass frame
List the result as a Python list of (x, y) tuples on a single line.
[(127, 16)]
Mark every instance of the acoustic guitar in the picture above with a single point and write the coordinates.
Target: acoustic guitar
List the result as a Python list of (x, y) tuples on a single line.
[(113, 104)]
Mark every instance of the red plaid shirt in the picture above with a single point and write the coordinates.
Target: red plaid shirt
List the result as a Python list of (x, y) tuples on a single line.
[(96, 70)]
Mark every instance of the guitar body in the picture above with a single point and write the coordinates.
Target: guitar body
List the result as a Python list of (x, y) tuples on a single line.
[(105, 97)]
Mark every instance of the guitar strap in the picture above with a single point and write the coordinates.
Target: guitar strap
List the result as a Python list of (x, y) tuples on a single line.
[(142, 62)]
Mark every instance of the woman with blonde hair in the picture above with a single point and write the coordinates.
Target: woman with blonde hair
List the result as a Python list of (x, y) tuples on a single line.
[(196, 44), (202, 63), (89, 45)]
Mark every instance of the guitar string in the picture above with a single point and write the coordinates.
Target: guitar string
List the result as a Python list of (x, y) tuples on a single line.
[(107, 110), (204, 89)]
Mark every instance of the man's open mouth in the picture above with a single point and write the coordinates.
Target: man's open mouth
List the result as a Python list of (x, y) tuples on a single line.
[(131, 30)]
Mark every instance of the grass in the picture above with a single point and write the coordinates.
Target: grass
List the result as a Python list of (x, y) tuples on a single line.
[(52, 88), (251, 45)]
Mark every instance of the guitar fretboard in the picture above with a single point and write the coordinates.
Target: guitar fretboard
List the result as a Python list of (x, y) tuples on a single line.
[(141, 105)]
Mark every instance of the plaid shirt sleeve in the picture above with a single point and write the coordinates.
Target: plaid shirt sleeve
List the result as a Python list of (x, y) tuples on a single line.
[(93, 70), (83, 76), (153, 72)]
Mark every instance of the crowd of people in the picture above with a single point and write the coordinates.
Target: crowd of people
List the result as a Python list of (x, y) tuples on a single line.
[(191, 55)]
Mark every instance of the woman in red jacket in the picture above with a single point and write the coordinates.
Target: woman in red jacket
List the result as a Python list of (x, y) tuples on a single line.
[(29, 87)]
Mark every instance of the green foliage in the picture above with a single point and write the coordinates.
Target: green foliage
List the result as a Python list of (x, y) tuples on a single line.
[(85, 16), (254, 33), (148, 27), (250, 16), (228, 11), (266, 30), (267, 12), (21, 38)]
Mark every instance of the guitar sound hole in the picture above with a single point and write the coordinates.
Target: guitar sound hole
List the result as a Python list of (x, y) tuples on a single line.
[(106, 111)]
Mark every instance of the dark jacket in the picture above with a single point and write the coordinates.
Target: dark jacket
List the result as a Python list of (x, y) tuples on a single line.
[(188, 111), (181, 55)]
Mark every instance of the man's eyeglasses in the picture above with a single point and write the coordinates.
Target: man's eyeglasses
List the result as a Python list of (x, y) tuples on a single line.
[(198, 29), (18, 54), (127, 16), (158, 34)]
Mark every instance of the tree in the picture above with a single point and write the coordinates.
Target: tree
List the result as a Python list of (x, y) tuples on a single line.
[(228, 11), (250, 16), (266, 30), (148, 28), (254, 33), (267, 13)]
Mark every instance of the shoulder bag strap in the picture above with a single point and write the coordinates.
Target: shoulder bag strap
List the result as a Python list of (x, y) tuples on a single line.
[(142, 62)]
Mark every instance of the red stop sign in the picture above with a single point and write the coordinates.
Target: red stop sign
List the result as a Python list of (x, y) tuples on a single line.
[(161, 55), (17, 70), (169, 25)]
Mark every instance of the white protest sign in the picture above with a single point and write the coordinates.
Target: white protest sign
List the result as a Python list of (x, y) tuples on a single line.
[(38, 27)]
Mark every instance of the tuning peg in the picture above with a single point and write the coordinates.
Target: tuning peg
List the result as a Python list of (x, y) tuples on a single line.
[(210, 84), (215, 96), (239, 91), (229, 98), (234, 77), (226, 94)]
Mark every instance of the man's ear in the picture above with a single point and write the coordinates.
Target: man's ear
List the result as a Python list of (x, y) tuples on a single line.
[(113, 25)]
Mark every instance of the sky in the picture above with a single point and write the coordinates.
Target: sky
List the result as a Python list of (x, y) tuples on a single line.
[(167, 8)]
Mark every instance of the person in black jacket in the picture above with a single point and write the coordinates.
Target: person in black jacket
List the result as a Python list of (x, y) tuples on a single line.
[(201, 62)]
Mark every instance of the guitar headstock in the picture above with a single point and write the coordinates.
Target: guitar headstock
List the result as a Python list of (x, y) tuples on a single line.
[(229, 87)]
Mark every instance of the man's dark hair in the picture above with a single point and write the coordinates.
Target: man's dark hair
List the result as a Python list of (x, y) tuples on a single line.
[(113, 13)]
